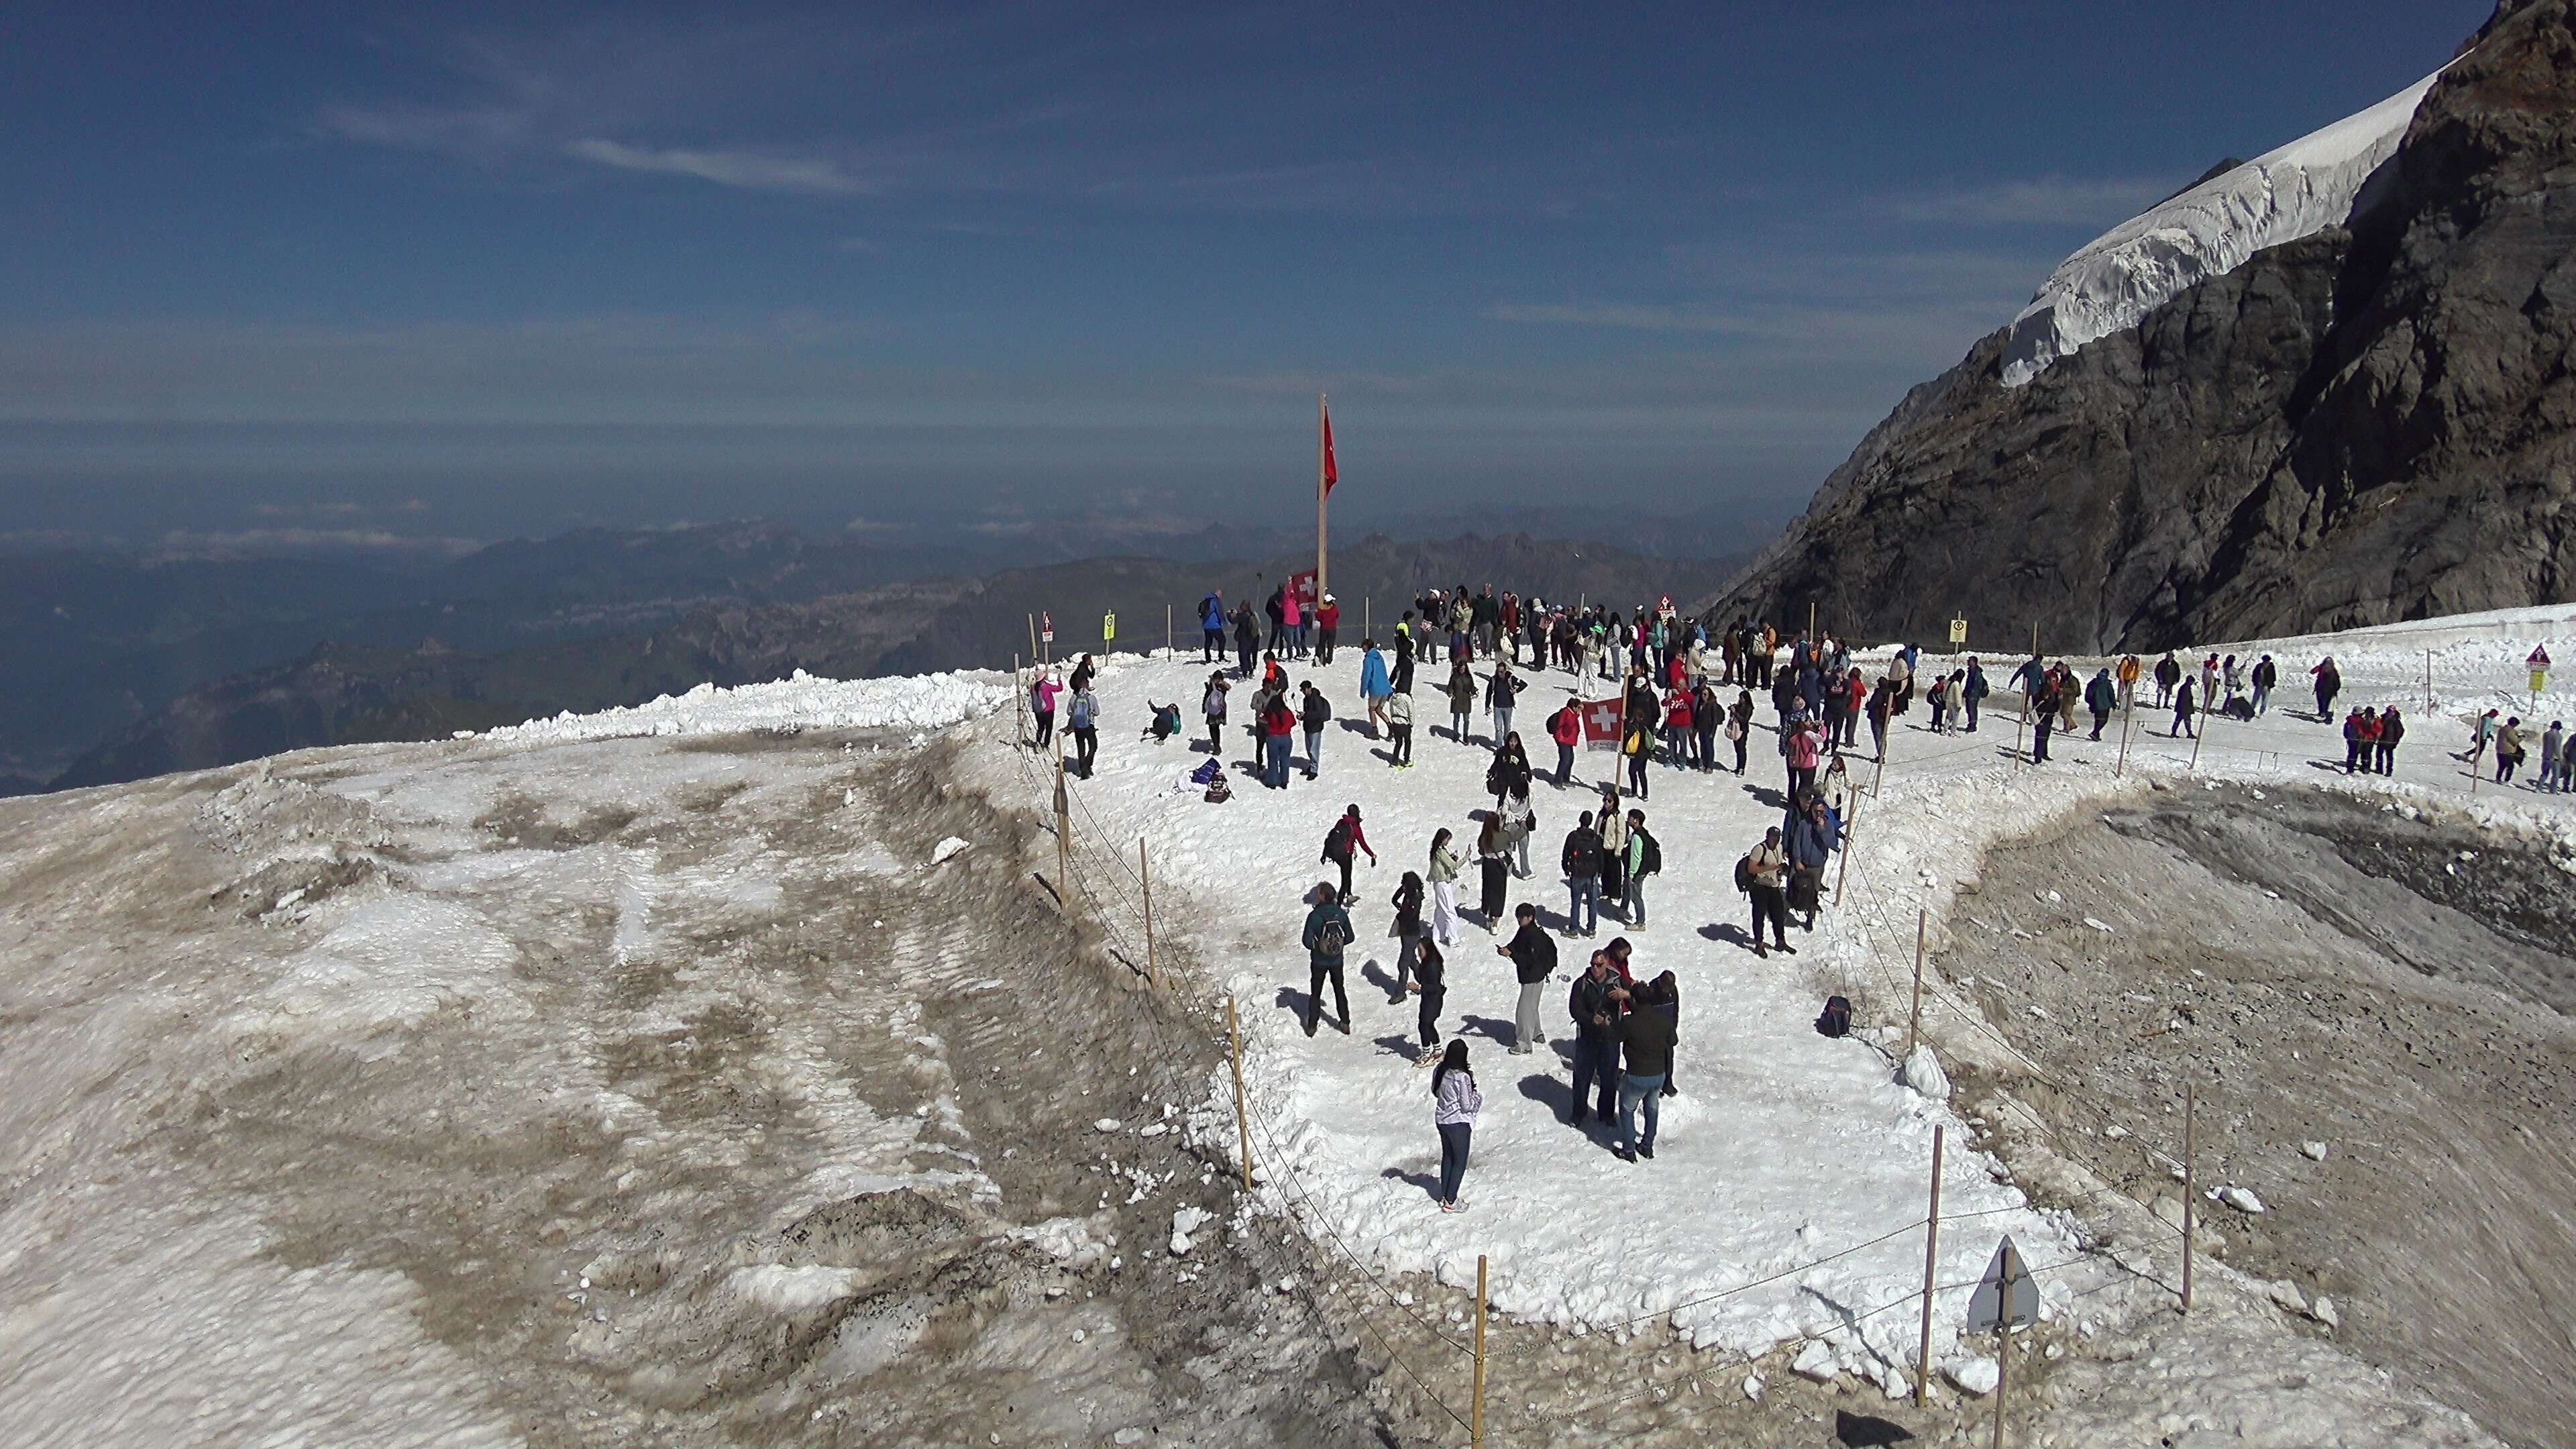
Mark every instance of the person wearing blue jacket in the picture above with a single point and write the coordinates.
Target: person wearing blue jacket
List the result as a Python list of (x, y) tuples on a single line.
[(1212, 627), (1815, 832), (1375, 686)]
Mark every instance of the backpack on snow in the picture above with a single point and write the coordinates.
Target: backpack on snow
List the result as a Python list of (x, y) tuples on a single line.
[(1836, 1019)]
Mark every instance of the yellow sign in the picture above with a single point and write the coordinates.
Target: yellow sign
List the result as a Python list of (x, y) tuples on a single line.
[(1108, 627), (1958, 631), (2539, 680)]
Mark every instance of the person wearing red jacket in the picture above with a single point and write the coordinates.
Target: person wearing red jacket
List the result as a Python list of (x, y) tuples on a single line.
[(1566, 728), (1677, 726), (1328, 625), (1278, 723)]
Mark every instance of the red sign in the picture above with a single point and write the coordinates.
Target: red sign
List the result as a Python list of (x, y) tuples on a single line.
[(2539, 657), (1302, 586), (1046, 628), (1601, 724)]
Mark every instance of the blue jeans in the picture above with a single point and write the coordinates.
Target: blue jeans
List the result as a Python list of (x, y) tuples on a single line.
[(1314, 752), (1583, 911), (1596, 1060), (1454, 1137), (1634, 1089), (1275, 773)]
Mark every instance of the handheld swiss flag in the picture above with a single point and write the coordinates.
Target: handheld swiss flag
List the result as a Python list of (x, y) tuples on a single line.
[(1601, 720), (1332, 474)]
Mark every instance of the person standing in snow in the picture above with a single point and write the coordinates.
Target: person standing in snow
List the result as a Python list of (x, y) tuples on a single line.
[(2043, 711), (1278, 727), (1645, 858), (1613, 827), (1374, 685), (1212, 627), (2264, 675), (2101, 696), (1462, 698), (1766, 876), (1501, 692), (1532, 953), (1813, 835), (1407, 931), (2168, 674), (1520, 821), (2508, 750), (1566, 728), (1882, 703), (2391, 730), (1042, 696), (1494, 867), (2329, 684), (1707, 718), (1431, 978), (1247, 639), (1455, 1103), (1510, 769), (1082, 719), (1212, 705), (1328, 932), (2357, 743), (2182, 713), (1276, 607), (2550, 740), (1328, 629), (1343, 842), (1399, 730), (2130, 669), (1581, 859), (1595, 1011), (1314, 712), (1646, 1040), (1443, 876)]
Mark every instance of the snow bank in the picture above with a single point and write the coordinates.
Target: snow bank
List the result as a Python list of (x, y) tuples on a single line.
[(924, 701), (2304, 187)]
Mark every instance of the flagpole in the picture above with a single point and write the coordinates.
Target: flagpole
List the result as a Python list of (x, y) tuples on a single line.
[(1321, 494)]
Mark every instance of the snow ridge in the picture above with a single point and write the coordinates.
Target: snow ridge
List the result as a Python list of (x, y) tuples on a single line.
[(2312, 183)]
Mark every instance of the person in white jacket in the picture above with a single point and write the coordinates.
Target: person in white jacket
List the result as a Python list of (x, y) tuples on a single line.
[(1455, 1103)]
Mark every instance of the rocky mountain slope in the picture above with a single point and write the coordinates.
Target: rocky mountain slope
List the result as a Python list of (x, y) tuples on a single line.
[(2373, 422), (344, 693)]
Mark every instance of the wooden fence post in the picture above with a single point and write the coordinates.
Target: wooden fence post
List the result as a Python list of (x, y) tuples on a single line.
[(1020, 709), (1842, 872), (2128, 718), (1145, 878), (1476, 1427), (1063, 836), (1931, 1257), (1242, 1118), (2203, 718), (1914, 1016), (2190, 1189)]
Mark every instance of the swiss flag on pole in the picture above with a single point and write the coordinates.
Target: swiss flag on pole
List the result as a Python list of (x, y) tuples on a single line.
[(1601, 724), (1332, 474)]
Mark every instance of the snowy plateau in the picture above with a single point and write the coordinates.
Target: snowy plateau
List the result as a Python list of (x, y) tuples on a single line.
[(2312, 183), (635, 1078)]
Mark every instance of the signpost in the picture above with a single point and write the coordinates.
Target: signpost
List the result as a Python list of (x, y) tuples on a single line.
[(1108, 627), (2006, 1300), (1958, 632)]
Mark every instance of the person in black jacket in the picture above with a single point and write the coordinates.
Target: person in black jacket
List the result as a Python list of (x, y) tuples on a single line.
[(1313, 712), (1328, 932), (1431, 971), (2391, 730), (1646, 1038), (1596, 1041), (1533, 956), (1581, 859), (1407, 901)]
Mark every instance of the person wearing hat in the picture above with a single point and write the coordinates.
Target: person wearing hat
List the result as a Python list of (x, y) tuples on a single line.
[(1328, 628), (1768, 870)]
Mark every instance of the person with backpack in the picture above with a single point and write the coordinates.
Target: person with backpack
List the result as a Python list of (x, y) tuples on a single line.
[(1637, 746), (1328, 629), (1882, 704), (1328, 934), (2329, 684), (1645, 858), (1566, 728), (1399, 730), (1595, 1011), (1804, 758), (1082, 718), (2043, 716), (2101, 696), (1212, 627), (1455, 1103), (2508, 750), (1344, 841), (1646, 1040), (1533, 956), (1443, 876), (1764, 875), (1407, 931), (2391, 730), (1212, 705), (1509, 771), (1313, 713), (1581, 859), (1247, 639), (1042, 697)]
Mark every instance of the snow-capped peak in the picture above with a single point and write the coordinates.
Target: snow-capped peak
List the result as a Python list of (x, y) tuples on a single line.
[(2302, 188)]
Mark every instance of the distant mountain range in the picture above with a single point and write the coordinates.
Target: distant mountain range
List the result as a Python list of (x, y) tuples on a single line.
[(621, 619)]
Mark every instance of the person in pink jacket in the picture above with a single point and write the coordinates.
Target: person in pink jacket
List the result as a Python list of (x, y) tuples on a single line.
[(1293, 615), (1042, 697), (1803, 758)]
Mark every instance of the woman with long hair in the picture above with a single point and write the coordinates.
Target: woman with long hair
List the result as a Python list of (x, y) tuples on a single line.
[(1454, 1105), (1444, 889), (1493, 858)]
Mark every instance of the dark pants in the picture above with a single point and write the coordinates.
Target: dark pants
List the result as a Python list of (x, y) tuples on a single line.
[(1344, 861), (1453, 1157), (1245, 656), (1596, 1060), (1318, 972), (2182, 726), (1637, 774), (1497, 871), (2387, 758), (2039, 740), (1972, 702), (1564, 764), (1325, 639), (1046, 726), (1801, 781), (1739, 750), (1216, 734), (1401, 737), (2355, 754), (1211, 645), (1771, 903), (1429, 1017), (1086, 748), (1708, 747), (2101, 717), (1274, 773)]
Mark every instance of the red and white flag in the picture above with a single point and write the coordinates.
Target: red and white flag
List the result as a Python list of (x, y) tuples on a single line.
[(1601, 720)]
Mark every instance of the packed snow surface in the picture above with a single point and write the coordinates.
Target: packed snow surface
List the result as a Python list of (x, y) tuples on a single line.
[(929, 701), (2304, 187)]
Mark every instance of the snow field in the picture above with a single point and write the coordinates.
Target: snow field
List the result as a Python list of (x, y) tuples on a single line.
[(928, 701), (1786, 1200)]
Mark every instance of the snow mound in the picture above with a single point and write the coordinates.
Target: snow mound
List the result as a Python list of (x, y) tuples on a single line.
[(800, 702), (2304, 187)]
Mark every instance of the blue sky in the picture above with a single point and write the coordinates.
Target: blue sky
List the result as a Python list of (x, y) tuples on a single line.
[(457, 272)]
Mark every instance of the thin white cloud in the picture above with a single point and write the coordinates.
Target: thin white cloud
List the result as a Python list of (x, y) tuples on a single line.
[(747, 170), (1630, 316), (2040, 201)]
